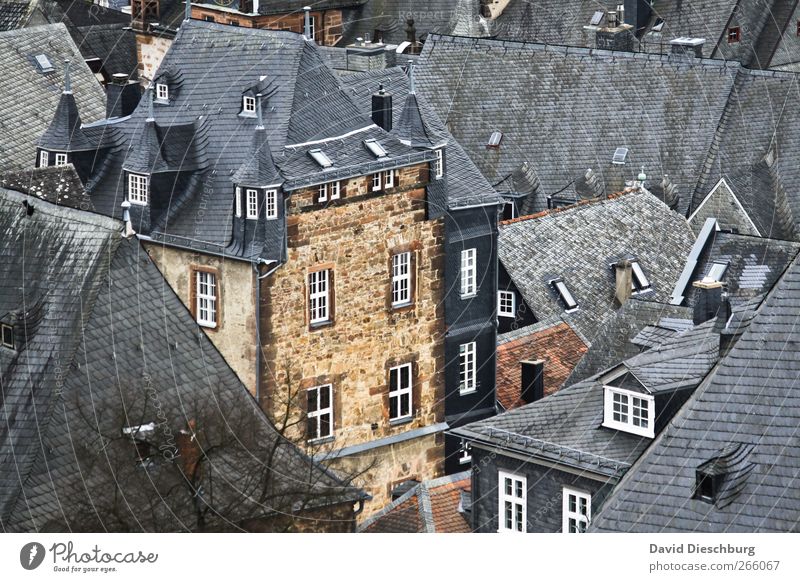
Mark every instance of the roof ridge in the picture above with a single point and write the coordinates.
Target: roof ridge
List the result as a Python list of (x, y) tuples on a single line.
[(572, 207)]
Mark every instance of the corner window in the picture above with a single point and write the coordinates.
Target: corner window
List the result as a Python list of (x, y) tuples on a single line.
[(252, 203), (319, 414), (506, 303), (466, 368), (238, 202), (468, 267), (162, 92), (628, 411), (7, 335), (734, 34), (512, 494), (319, 296), (388, 179), (438, 164), (206, 296), (400, 400), (576, 511), (61, 159), (44, 158), (248, 104), (401, 279), (138, 189), (272, 205), (376, 182)]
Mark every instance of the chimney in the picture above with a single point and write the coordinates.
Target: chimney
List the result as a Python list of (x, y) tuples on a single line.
[(122, 95), (126, 218), (532, 380), (709, 301), (687, 46), (187, 13), (637, 14), (382, 109), (307, 22), (612, 20), (624, 281)]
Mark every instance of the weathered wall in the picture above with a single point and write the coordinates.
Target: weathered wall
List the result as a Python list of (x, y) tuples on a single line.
[(356, 237), (150, 51), (235, 334), (328, 30)]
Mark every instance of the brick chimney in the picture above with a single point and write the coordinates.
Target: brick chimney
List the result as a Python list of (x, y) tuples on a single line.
[(709, 301), (532, 380), (624, 281), (382, 109)]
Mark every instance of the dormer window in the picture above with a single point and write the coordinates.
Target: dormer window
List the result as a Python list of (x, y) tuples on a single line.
[(7, 336), (629, 411), (138, 189), (61, 159), (248, 105), (252, 203), (162, 92), (438, 164), (721, 479), (734, 34), (272, 204), (44, 159), (565, 295)]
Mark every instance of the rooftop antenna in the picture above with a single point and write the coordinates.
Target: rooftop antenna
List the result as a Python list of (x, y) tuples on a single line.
[(188, 12), (307, 23), (412, 88), (67, 80), (260, 121)]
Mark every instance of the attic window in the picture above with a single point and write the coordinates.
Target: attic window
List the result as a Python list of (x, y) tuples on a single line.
[(138, 189), (659, 25), (495, 139), (629, 411), (375, 148), (596, 18), (319, 156), (720, 479), (162, 92), (620, 155), (716, 272), (640, 281), (734, 34), (44, 64), (565, 295), (248, 104), (7, 336)]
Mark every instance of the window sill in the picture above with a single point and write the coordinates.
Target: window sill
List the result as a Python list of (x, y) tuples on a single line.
[(207, 325), (137, 203), (506, 315), (470, 295), (248, 114), (160, 101), (319, 325), (466, 392), (402, 307), (401, 421), (321, 440)]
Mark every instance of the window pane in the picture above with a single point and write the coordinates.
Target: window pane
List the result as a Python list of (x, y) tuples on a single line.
[(325, 397), (325, 425), (312, 400)]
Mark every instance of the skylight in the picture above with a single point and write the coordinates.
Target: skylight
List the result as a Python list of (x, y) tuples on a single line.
[(565, 295), (620, 155), (596, 18), (375, 148), (319, 156), (716, 272), (640, 281), (44, 64), (495, 139), (659, 25)]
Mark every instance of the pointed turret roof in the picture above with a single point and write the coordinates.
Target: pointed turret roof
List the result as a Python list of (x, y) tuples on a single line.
[(64, 133), (259, 168), (412, 128), (144, 153)]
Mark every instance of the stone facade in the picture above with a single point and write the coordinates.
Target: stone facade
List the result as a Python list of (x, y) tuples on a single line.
[(150, 51), (328, 29), (235, 334)]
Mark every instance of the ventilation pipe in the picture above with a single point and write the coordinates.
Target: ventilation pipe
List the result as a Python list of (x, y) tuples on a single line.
[(307, 23)]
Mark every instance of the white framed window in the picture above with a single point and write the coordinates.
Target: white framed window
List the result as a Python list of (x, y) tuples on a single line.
[(512, 494), (162, 92), (44, 158), (252, 203), (468, 287), (465, 453), (388, 179), (576, 511), (438, 164), (323, 193), (248, 104), (312, 27), (400, 399), (376, 182), (506, 303), (238, 202), (319, 414), (7, 336), (466, 368), (138, 188), (61, 159), (319, 296), (629, 411), (272, 205), (206, 298), (401, 279), (336, 190)]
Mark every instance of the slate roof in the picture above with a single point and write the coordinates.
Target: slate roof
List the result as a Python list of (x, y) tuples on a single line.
[(433, 506), (579, 244), (390, 16), (558, 345), (466, 186), (615, 341), (60, 185), (29, 98), (15, 14), (80, 371), (751, 401)]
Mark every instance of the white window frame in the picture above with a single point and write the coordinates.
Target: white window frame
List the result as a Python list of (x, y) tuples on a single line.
[(336, 190), (205, 293), (323, 193), (467, 368), (44, 158), (321, 412), (401, 279), (238, 202), (465, 453), (251, 195), (376, 182), (469, 286), (3, 342), (319, 296), (517, 499), (138, 189), (162, 92), (566, 296), (568, 515), (312, 27), (401, 392), (61, 159), (271, 210), (641, 284), (438, 164), (506, 303), (629, 402), (388, 179), (248, 104)]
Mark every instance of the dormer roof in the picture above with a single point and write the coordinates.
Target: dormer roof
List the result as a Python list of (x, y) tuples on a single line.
[(259, 168), (64, 132)]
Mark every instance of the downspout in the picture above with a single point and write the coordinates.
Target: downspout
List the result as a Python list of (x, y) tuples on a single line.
[(496, 228)]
